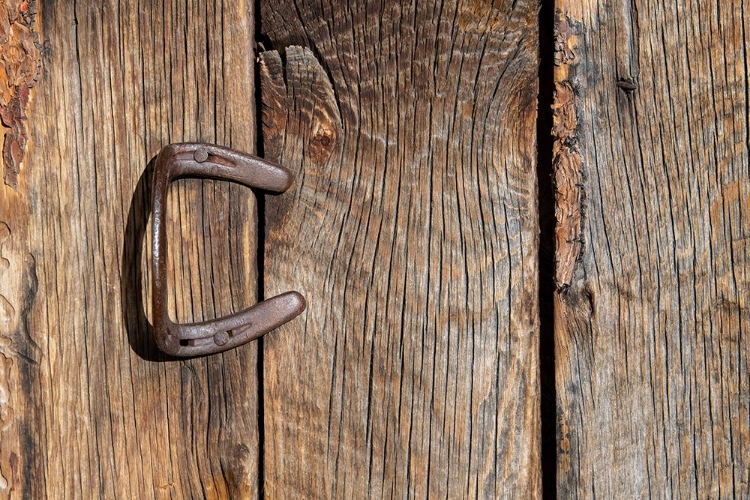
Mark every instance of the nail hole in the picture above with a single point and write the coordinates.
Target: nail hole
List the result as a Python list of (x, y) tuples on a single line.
[(184, 342), (627, 84)]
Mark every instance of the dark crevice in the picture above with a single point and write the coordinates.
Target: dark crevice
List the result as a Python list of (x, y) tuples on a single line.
[(261, 241), (263, 42), (546, 207)]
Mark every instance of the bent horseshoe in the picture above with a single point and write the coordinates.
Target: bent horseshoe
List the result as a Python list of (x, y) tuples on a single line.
[(212, 162)]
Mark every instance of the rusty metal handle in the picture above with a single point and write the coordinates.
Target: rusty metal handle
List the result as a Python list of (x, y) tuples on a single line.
[(213, 336)]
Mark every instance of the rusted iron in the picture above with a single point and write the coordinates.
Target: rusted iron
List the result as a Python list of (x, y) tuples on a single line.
[(217, 335)]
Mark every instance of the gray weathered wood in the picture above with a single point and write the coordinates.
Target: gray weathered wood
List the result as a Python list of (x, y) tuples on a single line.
[(412, 230), (652, 313)]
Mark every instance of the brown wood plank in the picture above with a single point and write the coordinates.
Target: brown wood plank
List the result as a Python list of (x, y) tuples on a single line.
[(412, 231), (89, 408), (652, 314)]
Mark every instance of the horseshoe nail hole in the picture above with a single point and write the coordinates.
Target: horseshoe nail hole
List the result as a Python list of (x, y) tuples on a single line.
[(184, 342)]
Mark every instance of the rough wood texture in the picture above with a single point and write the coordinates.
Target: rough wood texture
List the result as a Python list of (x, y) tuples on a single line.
[(413, 233), (20, 60), (19, 355), (88, 409), (652, 329)]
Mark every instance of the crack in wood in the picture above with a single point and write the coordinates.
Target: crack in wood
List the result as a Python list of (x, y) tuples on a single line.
[(320, 119)]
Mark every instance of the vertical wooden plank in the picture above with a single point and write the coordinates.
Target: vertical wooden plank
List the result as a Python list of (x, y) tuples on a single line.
[(110, 418), (20, 395), (412, 231), (653, 180)]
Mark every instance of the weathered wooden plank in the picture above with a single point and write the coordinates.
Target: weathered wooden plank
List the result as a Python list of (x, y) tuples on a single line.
[(412, 231), (652, 313), (19, 356), (94, 410)]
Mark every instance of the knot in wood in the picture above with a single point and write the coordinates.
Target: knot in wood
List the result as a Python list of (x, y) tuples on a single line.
[(322, 143)]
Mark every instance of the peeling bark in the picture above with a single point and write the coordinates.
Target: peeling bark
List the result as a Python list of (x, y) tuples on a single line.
[(20, 63), (567, 164)]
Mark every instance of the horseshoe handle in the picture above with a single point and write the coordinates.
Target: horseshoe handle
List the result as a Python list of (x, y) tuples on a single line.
[(209, 337)]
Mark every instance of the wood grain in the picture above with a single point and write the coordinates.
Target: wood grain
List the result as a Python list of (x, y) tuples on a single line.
[(96, 412), (413, 233), (652, 327)]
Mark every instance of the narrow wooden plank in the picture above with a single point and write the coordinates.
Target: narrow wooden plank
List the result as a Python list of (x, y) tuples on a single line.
[(412, 231), (653, 182), (110, 418), (20, 391)]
